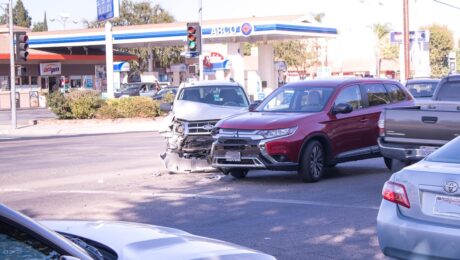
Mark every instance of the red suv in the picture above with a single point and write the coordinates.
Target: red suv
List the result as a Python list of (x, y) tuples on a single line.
[(306, 126)]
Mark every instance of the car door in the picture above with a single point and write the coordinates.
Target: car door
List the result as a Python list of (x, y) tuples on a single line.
[(376, 98), (347, 131)]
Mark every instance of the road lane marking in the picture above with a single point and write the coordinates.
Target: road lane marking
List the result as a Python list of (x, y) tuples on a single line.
[(195, 196)]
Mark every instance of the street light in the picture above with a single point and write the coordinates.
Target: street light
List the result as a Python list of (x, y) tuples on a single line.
[(63, 19)]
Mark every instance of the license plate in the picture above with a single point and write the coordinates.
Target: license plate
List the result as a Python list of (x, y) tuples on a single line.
[(426, 150), (233, 156), (447, 206)]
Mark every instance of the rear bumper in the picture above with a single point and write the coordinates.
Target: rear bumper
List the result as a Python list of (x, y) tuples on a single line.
[(253, 156), (403, 152), (406, 238)]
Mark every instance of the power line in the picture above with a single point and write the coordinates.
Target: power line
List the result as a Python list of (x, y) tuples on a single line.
[(449, 5)]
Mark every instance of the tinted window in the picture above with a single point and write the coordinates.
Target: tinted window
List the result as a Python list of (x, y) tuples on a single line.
[(449, 91), (215, 95), (350, 95), (16, 244), (423, 89), (376, 94), (297, 99), (396, 94), (447, 153)]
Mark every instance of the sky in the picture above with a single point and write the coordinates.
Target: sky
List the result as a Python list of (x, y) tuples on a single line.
[(344, 14), (352, 18)]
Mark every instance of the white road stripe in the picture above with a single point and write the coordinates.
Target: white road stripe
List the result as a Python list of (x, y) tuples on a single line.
[(199, 196)]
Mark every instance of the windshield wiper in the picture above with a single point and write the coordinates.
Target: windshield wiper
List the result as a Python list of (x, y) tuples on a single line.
[(88, 248)]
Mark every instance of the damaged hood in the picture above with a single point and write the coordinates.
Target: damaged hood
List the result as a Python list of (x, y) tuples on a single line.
[(195, 111)]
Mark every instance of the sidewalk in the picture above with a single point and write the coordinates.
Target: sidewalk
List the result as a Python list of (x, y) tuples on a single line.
[(53, 127)]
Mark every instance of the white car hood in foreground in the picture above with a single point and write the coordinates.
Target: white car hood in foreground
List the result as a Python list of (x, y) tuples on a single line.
[(140, 241), (196, 111)]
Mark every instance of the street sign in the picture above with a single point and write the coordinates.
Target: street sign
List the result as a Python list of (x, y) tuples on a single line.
[(107, 9), (417, 36)]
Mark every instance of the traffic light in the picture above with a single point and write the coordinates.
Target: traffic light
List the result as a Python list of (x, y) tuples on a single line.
[(194, 37), (22, 45)]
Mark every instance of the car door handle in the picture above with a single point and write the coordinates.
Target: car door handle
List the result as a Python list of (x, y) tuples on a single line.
[(363, 120), (429, 119)]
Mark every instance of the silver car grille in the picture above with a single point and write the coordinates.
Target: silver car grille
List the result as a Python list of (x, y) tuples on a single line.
[(200, 127)]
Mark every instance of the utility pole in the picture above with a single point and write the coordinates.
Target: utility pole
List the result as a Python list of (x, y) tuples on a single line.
[(406, 40), (12, 75), (201, 57)]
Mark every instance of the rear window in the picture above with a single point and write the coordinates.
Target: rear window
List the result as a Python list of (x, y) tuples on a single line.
[(421, 89), (449, 91), (396, 94), (447, 153)]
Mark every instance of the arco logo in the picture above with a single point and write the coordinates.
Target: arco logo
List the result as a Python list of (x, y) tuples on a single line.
[(246, 29)]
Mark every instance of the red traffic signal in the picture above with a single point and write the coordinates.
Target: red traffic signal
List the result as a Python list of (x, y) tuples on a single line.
[(22, 46), (194, 37)]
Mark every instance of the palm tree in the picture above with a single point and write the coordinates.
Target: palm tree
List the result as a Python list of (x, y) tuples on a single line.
[(380, 32)]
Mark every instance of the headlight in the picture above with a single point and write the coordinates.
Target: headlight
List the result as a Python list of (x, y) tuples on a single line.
[(268, 134), (178, 127)]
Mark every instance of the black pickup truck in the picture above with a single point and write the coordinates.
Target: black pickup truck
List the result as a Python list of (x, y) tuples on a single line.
[(408, 134)]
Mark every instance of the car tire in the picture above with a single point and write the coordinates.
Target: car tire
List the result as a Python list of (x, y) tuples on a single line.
[(397, 165), (388, 162), (312, 162), (238, 173), (224, 171)]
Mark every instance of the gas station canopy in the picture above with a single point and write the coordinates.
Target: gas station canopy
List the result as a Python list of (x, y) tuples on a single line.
[(255, 29)]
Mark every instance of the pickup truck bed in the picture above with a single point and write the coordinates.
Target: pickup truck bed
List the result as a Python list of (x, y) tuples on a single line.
[(411, 133)]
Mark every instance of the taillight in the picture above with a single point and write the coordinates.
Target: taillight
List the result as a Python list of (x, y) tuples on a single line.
[(396, 193), (381, 124)]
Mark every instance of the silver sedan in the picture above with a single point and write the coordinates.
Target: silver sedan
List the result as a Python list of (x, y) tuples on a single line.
[(419, 217)]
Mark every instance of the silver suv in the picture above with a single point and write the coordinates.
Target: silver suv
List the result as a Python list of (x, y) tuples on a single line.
[(196, 109)]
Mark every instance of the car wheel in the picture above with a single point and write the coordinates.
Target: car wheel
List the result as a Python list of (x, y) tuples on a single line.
[(238, 173), (224, 171), (312, 162), (397, 165), (388, 162)]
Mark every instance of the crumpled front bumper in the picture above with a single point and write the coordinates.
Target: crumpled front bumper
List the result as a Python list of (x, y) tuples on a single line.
[(176, 164)]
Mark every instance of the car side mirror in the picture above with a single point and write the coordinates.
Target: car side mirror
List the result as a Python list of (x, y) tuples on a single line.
[(254, 105), (165, 107), (342, 108)]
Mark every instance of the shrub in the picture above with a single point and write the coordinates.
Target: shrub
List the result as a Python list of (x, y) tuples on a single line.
[(59, 105), (84, 103), (129, 107)]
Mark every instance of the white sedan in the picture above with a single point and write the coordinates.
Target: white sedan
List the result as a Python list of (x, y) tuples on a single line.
[(23, 238)]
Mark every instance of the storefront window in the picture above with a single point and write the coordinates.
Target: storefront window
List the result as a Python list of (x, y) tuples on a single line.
[(4, 83), (34, 80), (25, 80)]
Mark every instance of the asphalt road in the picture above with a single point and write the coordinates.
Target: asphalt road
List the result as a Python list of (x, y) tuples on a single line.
[(120, 177)]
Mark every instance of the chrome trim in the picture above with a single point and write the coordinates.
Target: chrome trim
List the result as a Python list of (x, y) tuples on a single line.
[(409, 153)]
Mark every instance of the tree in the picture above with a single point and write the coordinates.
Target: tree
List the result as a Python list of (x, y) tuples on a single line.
[(384, 49), (441, 43), (137, 13), (41, 26), (20, 16)]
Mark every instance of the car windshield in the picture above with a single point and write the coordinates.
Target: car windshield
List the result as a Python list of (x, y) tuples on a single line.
[(297, 99), (421, 89), (215, 95), (447, 153), (130, 87)]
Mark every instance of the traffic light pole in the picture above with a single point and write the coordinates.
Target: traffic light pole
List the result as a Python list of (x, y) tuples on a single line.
[(201, 57), (12, 75)]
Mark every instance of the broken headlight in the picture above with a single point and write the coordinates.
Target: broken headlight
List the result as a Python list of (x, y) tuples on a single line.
[(178, 127)]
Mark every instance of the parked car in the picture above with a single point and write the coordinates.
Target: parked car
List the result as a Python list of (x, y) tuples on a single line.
[(419, 217), (409, 134), (24, 238), (422, 89), (196, 109), (306, 126), (136, 89), (165, 91)]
